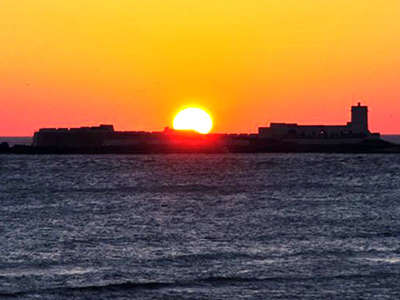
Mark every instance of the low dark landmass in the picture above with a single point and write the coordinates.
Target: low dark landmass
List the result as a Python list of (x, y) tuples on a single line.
[(353, 137), (253, 146)]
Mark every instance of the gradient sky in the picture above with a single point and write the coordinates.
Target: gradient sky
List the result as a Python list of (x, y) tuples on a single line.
[(134, 63)]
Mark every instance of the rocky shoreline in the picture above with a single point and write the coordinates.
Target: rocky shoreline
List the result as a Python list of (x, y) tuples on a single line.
[(257, 146)]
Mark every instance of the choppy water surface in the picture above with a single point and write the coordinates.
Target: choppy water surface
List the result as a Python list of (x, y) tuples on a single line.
[(200, 226)]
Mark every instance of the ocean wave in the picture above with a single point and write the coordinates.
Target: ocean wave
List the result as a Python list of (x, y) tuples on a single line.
[(229, 189), (207, 282)]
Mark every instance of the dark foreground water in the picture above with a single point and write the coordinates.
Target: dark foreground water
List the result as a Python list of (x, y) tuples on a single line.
[(268, 226)]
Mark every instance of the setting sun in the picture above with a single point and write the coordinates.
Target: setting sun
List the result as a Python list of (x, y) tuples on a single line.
[(193, 119)]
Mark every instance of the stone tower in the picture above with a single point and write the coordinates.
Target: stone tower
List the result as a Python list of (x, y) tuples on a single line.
[(359, 119)]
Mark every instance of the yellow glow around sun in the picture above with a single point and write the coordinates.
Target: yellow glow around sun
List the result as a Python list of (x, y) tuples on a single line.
[(193, 118)]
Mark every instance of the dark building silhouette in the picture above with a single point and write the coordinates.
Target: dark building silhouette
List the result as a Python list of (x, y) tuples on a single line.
[(354, 131), (277, 137)]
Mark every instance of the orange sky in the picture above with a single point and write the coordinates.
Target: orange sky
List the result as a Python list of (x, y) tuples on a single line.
[(134, 63)]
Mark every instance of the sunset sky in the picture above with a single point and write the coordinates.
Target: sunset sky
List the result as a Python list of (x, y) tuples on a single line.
[(135, 63)]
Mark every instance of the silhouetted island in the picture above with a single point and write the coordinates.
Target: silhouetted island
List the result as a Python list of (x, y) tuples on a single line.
[(354, 137)]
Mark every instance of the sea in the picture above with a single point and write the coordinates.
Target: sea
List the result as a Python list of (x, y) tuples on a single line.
[(200, 226)]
